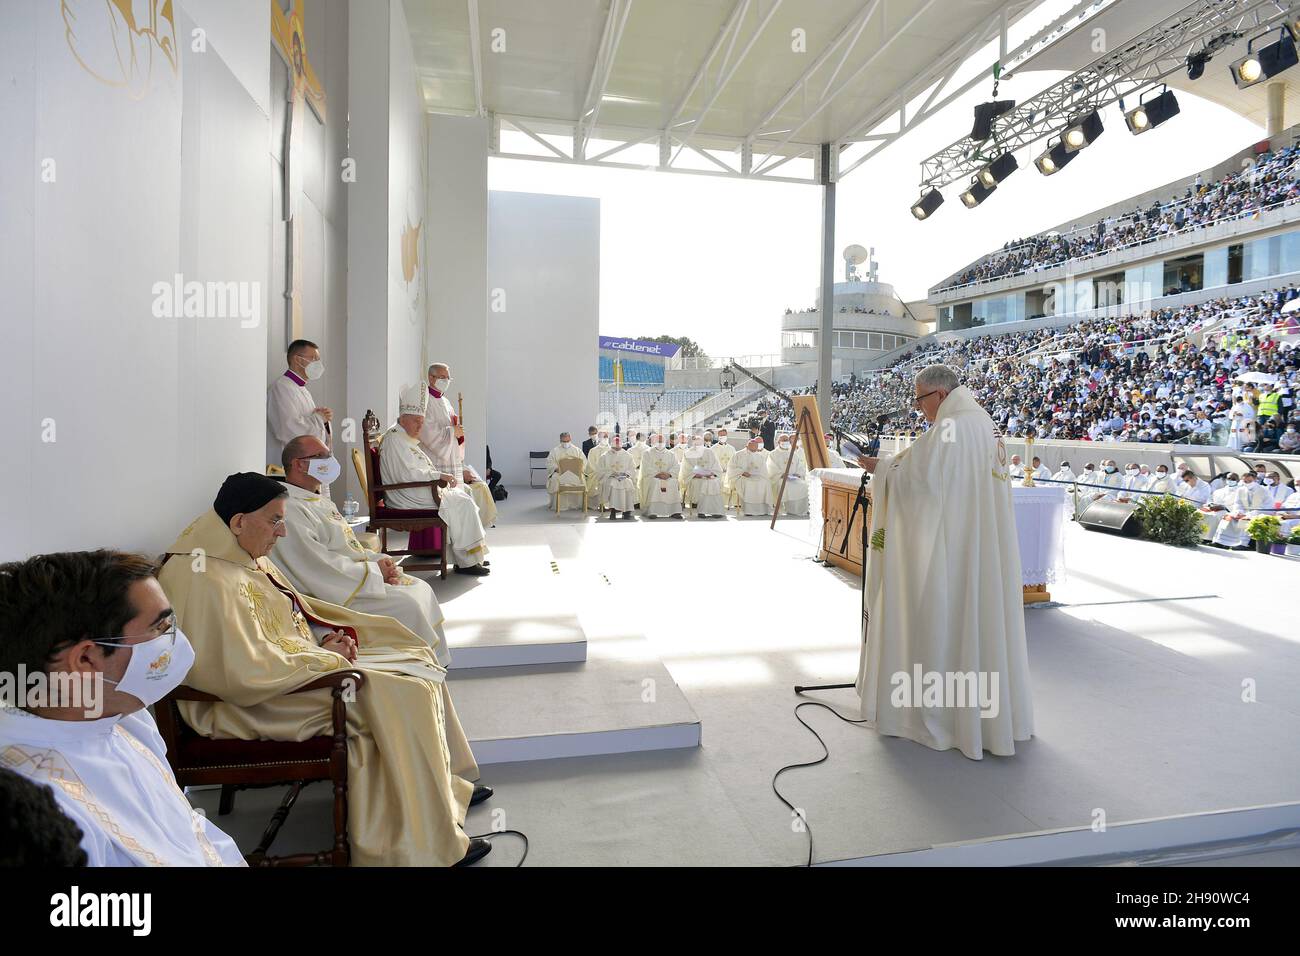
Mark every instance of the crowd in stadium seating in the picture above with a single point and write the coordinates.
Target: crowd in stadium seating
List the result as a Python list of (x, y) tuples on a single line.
[(1131, 379), (1269, 182)]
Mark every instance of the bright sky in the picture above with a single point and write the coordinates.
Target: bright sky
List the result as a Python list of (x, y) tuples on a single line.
[(721, 259)]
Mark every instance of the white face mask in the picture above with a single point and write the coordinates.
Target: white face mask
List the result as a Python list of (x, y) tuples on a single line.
[(324, 470), (1268, 481), (441, 384), (1231, 483), (157, 667), (315, 369)]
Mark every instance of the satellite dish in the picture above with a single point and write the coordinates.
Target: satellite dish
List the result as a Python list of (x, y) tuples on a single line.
[(855, 254)]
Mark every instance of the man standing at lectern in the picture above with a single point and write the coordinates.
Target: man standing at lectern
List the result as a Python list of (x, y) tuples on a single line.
[(943, 658)]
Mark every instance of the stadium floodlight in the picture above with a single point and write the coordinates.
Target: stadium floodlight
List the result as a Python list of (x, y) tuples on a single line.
[(1082, 132), (976, 193), (927, 204), (1149, 115), (1054, 159), (1266, 62), (985, 114), (998, 170)]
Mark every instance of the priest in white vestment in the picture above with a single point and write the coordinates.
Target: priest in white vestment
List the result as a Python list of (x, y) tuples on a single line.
[(290, 409), (1190, 488), (322, 557), (943, 585), (100, 752), (1040, 470), (1250, 500), (833, 458), (403, 459), (1217, 504), (618, 490), (555, 479), (795, 499), (748, 475), (701, 476), (661, 493), (591, 473), (724, 451), (443, 439), (1064, 473), (1290, 514)]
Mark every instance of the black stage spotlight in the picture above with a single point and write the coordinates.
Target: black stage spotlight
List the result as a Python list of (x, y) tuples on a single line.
[(927, 204), (1054, 159), (1268, 61), (976, 193), (1196, 63), (985, 114), (1082, 132), (998, 170), (1152, 113)]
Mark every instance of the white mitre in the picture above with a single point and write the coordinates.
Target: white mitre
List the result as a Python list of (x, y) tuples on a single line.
[(411, 399)]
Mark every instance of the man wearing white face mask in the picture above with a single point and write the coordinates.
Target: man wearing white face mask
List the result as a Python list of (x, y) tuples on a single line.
[(322, 557), (700, 476), (591, 474), (103, 758), (290, 409), (1064, 473), (1251, 499), (617, 489), (555, 478), (443, 439), (661, 494), (794, 501)]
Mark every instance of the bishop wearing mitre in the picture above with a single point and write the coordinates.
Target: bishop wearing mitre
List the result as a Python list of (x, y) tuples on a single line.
[(256, 639), (943, 660), (322, 557)]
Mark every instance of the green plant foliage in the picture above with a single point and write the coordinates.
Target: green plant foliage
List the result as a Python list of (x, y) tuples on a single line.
[(1170, 520), (1266, 528)]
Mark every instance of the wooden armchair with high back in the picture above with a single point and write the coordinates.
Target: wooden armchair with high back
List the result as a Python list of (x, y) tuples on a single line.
[(240, 764), (411, 520), (570, 466)]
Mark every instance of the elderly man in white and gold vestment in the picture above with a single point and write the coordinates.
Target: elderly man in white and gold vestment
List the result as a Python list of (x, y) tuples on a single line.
[(322, 557), (99, 753), (591, 471), (944, 661), (661, 493), (748, 477), (403, 459), (257, 639), (701, 477), (442, 436), (795, 500), (617, 487), (555, 479)]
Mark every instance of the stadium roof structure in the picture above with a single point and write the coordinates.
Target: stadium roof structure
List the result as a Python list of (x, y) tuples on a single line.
[(744, 88)]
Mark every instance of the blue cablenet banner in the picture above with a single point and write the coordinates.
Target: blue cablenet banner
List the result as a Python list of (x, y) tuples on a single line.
[(662, 349)]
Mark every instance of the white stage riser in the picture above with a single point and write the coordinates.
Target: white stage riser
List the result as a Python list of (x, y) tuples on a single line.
[(515, 655), (1119, 843), (596, 743)]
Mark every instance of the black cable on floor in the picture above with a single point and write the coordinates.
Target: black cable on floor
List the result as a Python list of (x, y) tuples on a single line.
[(519, 833), (810, 763)]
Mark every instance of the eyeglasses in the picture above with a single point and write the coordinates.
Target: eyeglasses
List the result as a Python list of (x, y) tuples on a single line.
[(916, 402), (164, 628)]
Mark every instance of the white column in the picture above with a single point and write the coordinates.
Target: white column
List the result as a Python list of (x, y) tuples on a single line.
[(1276, 108)]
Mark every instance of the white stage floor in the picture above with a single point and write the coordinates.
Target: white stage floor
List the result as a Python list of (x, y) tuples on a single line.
[(1137, 685)]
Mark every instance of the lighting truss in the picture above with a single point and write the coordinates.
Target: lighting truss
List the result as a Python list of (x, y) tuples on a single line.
[(1138, 64)]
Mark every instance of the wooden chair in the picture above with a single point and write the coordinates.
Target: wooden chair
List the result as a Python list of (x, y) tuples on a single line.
[(411, 520), (359, 466), (570, 466), (240, 764)]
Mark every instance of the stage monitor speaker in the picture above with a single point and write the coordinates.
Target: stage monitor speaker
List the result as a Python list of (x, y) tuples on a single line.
[(1116, 517)]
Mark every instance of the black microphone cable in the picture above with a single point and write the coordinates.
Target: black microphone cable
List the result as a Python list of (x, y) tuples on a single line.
[(495, 833)]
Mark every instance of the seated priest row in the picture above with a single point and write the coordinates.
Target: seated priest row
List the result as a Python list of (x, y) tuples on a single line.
[(256, 639), (99, 628), (402, 459), (322, 558)]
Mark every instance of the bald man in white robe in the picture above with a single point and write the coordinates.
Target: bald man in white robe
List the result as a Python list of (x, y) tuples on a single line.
[(748, 474)]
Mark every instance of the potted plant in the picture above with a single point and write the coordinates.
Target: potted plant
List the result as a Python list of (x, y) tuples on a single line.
[(1170, 520), (1293, 542), (1265, 532)]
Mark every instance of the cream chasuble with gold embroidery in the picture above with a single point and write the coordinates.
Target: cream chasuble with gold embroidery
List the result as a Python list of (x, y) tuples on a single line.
[(409, 764)]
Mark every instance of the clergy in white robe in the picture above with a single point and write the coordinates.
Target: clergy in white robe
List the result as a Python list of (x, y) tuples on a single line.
[(661, 493), (701, 476), (1290, 514), (1064, 473), (1159, 482), (591, 474), (1040, 470), (290, 409), (748, 475), (679, 449), (833, 458), (618, 489), (402, 459), (1192, 489), (555, 479), (1250, 500), (322, 557), (100, 752), (443, 439), (1217, 505), (795, 499), (724, 451), (1017, 470), (943, 585)]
